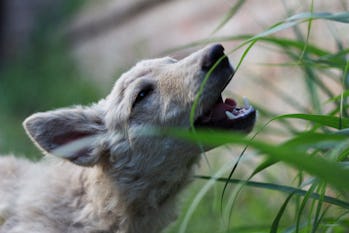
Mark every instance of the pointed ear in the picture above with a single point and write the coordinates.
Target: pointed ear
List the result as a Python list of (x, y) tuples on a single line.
[(76, 127)]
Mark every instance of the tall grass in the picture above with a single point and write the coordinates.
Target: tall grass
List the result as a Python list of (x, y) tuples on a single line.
[(314, 146)]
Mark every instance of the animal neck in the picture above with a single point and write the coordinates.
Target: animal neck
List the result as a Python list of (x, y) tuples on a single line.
[(148, 182), (134, 190), (150, 190)]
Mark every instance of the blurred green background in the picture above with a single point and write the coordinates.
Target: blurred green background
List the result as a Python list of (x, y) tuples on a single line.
[(38, 74)]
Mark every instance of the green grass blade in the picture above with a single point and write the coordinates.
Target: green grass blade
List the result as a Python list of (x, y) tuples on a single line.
[(199, 197), (317, 166), (342, 17), (244, 54), (307, 140), (237, 163), (230, 175), (201, 89), (280, 188), (307, 196), (308, 32), (324, 120), (344, 94), (264, 165), (275, 225), (318, 215)]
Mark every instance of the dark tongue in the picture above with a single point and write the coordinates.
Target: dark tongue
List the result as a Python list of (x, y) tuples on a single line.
[(218, 111)]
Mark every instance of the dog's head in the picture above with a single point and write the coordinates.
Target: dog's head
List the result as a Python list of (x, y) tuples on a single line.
[(155, 93)]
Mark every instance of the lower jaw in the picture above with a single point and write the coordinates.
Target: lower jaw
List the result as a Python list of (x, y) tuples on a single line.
[(228, 116)]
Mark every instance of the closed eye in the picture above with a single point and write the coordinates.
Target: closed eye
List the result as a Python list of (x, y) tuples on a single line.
[(144, 92)]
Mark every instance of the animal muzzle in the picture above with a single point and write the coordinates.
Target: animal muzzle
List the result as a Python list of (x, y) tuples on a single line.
[(226, 115)]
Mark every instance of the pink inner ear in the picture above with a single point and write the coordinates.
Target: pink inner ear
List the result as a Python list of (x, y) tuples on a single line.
[(63, 139)]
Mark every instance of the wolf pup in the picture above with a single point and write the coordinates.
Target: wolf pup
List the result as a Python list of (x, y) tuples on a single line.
[(109, 176)]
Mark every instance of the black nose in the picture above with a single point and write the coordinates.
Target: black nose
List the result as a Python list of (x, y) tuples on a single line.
[(214, 53)]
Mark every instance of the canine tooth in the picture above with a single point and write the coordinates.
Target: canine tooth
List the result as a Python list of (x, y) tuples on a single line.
[(246, 102), (230, 115)]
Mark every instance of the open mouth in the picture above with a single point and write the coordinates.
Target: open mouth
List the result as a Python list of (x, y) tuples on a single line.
[(228, 115)]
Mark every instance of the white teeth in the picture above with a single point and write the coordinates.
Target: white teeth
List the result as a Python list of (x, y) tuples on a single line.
[(230, 115), (239, 112), (246, 103)]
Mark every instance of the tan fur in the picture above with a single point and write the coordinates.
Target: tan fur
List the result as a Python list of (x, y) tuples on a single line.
[(114, 178)]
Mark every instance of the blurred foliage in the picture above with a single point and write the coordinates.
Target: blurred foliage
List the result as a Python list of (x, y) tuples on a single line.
[(42, 78), (314, 154)]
